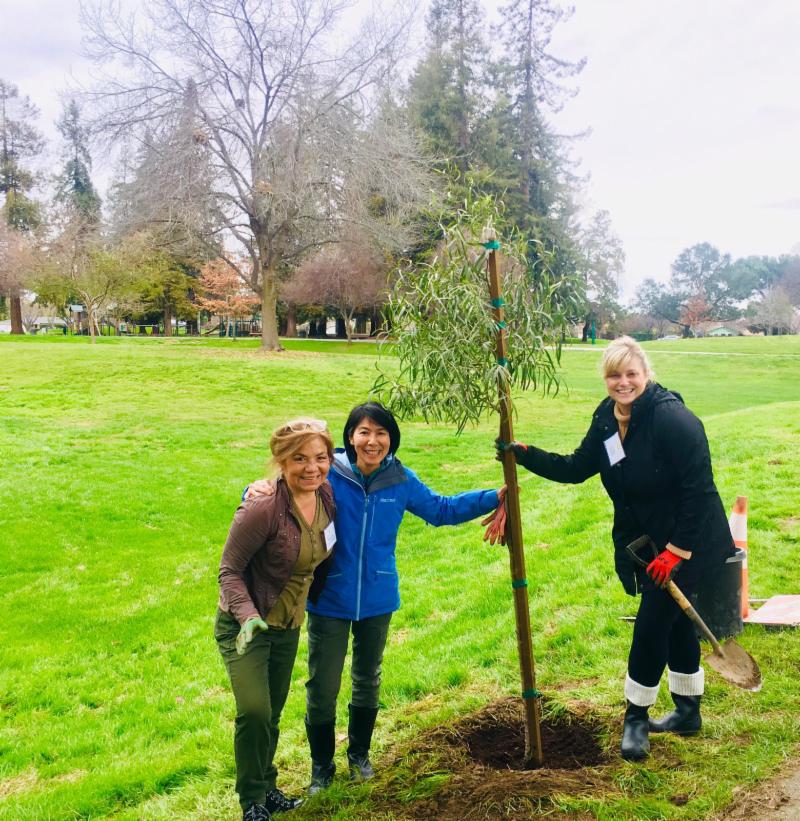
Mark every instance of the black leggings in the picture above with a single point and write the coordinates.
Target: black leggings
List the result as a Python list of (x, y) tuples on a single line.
[(662, 634)]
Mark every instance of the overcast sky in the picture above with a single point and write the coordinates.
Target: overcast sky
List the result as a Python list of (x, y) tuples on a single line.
[(693, 107)]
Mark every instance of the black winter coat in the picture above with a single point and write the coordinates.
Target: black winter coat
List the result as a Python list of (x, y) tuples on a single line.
[(664, 486)]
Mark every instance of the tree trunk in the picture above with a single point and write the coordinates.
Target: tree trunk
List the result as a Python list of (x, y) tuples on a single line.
[(375, 323), (341, 330), (269, 310), (91, 322), (361, 324), (15, 306), (167, 319), (291, 320), (347, 323)]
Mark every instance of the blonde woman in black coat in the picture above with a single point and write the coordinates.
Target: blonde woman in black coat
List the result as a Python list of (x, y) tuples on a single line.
[(652, 455)]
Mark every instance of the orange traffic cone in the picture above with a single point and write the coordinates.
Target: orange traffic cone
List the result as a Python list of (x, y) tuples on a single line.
[(738, 525)]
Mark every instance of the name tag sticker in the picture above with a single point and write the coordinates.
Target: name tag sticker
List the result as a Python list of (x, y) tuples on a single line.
[(614, 449), (330, 537)]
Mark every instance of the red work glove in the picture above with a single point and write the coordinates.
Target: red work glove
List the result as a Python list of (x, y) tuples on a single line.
[(664, 567), (496, 521)]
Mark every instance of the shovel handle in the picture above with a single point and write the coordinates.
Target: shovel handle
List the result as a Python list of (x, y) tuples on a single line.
[(687, 608)]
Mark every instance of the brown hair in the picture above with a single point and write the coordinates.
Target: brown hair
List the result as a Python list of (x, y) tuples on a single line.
[(289, 437), (621, 351)]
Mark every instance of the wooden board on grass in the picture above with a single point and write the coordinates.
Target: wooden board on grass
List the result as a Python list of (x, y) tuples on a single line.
[(779, 611)]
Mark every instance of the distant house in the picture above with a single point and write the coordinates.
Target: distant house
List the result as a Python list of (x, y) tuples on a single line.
[(723, 330)]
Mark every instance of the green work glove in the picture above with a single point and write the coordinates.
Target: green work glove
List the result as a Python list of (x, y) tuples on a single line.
[(500, 447), (249, 629)]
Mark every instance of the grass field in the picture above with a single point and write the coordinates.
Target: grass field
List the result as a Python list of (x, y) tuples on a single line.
[(122, 463)]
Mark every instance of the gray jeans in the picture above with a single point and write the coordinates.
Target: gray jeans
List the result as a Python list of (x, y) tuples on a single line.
[(327, 648)]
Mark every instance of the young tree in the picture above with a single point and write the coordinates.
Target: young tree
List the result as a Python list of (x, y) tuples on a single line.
[(279, 106), (459, 347), (224, 294), (19, 141)]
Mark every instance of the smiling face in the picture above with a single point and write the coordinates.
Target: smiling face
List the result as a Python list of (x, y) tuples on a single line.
[(626, 383), (371, 443), (307, 468)]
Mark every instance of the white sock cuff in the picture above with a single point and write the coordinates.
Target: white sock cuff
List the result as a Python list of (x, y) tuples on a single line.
[(640, 695), (687, 684)]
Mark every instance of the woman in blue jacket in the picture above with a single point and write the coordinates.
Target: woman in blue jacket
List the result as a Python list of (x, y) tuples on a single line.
[(372, 490)]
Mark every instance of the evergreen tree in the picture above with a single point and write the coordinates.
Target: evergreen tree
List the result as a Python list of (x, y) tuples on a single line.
[(445, 90), (536, 84), (75, 190)]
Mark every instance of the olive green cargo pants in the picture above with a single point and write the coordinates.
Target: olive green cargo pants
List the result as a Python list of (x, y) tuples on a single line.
[(260, 682)]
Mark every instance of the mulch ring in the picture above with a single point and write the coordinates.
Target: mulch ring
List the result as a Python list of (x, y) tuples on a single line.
[(474, 769)]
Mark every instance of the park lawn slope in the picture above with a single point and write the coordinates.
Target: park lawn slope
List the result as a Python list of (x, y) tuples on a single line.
[(123, 463)]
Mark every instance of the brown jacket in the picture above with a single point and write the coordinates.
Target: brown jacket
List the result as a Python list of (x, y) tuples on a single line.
[(261, 551)]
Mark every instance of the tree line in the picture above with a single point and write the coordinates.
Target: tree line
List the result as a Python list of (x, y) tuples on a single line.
[(271, 160)]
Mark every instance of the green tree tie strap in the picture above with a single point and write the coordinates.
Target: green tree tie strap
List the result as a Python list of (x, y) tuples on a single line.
[(517, 583), (501, 323), (531, 693), (492, 245), (502, 361), (498, 302)]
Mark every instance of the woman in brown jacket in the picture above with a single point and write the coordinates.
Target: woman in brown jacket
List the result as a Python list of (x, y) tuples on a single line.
[(275, 557)]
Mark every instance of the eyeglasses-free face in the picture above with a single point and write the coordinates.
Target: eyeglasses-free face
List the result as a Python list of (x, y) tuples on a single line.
[(371, 443), (307, 468)]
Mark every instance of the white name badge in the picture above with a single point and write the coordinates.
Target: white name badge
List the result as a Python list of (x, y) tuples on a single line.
[(330, 537), (614, 449)]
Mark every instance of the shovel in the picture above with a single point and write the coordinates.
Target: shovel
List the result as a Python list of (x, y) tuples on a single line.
[(730, 660)]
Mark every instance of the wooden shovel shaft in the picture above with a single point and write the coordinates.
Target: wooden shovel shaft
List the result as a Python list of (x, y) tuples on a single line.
[(687, 608), (533, 736)]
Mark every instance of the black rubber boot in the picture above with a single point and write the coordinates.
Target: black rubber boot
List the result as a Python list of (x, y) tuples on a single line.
[(635, 744), (359, 731), (683, 720), (322, 741)]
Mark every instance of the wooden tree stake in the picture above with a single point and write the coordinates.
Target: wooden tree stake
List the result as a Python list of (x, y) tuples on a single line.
[(519, 581)]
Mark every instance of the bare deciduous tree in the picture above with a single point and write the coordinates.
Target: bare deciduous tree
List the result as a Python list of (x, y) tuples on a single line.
[(347, 276), (775, 312), (284, 112)]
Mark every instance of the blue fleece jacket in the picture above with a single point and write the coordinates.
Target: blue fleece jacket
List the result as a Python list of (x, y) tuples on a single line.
[(362, 580)]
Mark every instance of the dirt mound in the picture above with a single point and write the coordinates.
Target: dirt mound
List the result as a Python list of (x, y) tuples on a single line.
[(483, 757), (568, 743)]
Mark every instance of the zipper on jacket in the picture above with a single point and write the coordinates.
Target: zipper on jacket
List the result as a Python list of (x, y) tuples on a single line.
[(361, 557)]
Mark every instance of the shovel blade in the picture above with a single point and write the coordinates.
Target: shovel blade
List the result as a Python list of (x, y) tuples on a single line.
[(736, 666)]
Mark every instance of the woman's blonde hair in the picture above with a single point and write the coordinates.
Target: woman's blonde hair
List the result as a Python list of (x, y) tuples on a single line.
[(289, 437), (620, 352)]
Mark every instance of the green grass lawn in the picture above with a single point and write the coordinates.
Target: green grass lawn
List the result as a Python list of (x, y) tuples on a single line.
[(122, 464)]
